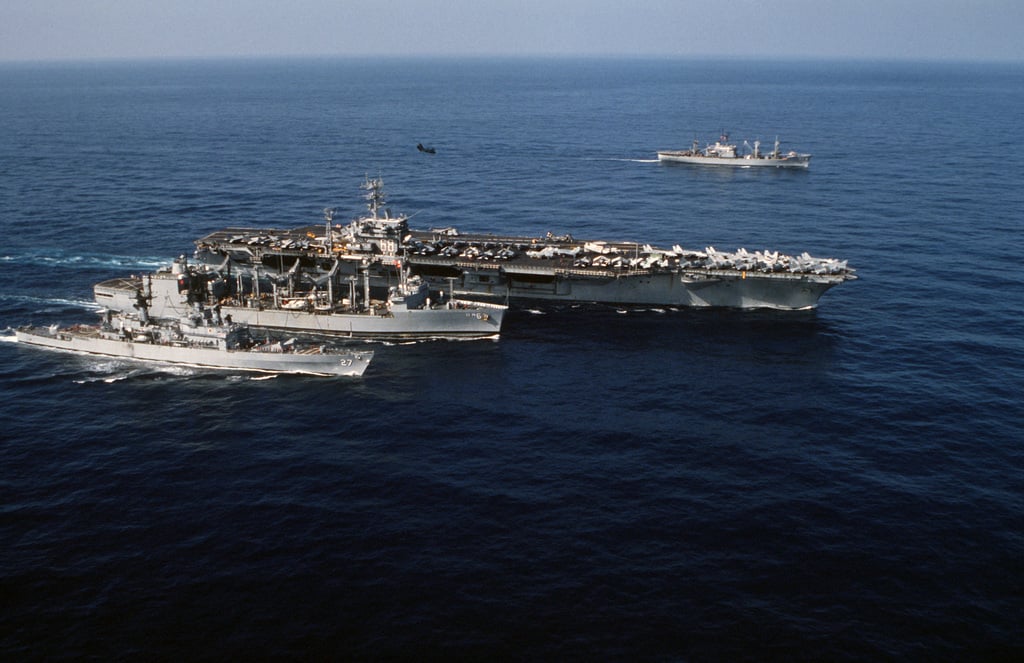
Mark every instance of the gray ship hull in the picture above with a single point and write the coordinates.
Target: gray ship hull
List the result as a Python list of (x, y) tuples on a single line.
[(87, 340), (686, 288), (480, 322)]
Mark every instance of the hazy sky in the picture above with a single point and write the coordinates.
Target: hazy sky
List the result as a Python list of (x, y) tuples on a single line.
[(901, 29)]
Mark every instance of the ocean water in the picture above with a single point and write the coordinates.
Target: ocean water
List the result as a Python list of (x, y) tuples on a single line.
[(842, 484)]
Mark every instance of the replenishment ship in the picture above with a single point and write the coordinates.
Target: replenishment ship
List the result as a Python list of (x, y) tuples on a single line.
[(333, 280), (256, 269), (724, 153), (201, 339)]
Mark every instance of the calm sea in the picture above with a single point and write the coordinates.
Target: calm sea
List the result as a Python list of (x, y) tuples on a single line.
[(844, 484)]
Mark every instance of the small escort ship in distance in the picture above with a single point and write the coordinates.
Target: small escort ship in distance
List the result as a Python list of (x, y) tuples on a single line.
[(201, 339), (724, 153)]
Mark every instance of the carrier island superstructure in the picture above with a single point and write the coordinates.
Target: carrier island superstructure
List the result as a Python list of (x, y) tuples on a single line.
[(379, 253)]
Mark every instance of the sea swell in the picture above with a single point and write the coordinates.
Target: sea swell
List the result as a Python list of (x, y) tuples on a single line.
[(836, 484)]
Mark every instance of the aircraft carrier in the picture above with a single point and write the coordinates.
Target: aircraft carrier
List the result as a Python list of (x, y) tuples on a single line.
[(519, 270), (552, 268)]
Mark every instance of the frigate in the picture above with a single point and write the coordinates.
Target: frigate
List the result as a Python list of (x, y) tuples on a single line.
[(201, 339)]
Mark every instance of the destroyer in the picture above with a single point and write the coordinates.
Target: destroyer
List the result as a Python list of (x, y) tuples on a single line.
[(349, 281), (488, 268), (198, 340), (724, 153)]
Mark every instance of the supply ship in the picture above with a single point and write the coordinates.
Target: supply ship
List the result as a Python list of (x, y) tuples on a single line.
[(332, 280), (257, 272), (724, 153)]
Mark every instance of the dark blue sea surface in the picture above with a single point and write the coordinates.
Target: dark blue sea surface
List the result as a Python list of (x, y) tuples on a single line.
[(840, 484)]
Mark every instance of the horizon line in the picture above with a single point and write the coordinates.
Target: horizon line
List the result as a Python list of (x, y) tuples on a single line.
[(153, 59)]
